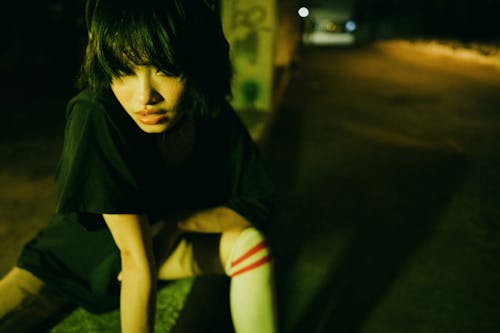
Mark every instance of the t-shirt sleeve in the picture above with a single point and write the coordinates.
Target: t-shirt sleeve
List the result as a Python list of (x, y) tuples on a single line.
[(94, 173), (251, 189)]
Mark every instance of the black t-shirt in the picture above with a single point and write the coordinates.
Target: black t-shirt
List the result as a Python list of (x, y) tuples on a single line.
[(109, 165)]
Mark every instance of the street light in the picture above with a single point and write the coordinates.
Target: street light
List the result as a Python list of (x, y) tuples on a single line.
[(303, 12)]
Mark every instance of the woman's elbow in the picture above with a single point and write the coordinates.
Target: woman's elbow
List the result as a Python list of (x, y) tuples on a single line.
[(135, 262)]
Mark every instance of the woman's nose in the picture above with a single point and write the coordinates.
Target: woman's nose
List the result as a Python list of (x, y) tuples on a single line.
[(146, 94)]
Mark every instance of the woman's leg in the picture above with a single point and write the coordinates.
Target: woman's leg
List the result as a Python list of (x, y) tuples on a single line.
[(26, 302), (248, 262), (192, 254), (241, 254)]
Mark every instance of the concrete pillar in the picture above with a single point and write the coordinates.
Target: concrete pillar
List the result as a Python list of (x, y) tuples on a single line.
[(250, 27)]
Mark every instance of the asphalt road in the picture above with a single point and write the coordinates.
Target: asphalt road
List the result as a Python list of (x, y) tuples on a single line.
[(386, 159), (386, 163)]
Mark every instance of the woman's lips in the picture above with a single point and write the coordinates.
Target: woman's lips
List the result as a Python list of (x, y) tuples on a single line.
[(151, 117)]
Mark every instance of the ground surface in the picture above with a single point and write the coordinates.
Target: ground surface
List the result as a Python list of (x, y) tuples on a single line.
[(387, 161)]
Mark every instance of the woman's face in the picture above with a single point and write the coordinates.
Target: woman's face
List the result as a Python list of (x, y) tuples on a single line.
[(150, 97)]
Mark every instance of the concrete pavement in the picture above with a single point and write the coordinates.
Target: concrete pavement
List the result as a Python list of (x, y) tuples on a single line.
[(387, 169)]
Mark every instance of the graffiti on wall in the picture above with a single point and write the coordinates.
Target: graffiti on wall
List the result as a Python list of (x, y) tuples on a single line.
[(251, 22), (249, 28)]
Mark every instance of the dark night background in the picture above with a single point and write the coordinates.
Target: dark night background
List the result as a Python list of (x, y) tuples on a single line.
[(42, 40), (465, 20), (45, 38)]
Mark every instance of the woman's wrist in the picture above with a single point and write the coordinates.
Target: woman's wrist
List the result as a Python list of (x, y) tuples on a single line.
[(138, 300)]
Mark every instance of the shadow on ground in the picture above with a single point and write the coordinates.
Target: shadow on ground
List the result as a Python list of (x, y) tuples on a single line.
[(345, 228)]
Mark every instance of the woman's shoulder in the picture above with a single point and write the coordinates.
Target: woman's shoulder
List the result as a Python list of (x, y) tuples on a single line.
[(226, 121), (234, 124), (225, 134), (101, 110), (90, 101)]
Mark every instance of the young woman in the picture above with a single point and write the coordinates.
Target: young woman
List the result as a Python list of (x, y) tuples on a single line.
[(158, 178)]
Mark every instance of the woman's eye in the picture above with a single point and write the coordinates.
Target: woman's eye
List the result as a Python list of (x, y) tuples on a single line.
[(123, 74), (165, 73)]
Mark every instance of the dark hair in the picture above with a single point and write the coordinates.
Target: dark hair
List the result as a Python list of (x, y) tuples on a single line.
[(179, 37)]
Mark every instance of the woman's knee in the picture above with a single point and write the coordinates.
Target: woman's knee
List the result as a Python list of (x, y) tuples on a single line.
[(26, 302), (16, 287), (243, 250)]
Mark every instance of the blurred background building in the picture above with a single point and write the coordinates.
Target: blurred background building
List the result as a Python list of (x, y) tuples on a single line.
[(44, 38)]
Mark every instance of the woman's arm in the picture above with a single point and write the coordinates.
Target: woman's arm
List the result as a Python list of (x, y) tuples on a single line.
[(132, 235), (212, 220)]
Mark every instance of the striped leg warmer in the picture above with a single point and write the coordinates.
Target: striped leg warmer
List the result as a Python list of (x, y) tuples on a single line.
[(252, 295)]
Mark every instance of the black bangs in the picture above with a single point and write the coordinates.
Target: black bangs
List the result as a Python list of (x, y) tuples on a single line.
[(134, 35)]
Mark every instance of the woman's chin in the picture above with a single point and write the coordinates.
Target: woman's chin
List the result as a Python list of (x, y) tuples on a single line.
[(154, 129)]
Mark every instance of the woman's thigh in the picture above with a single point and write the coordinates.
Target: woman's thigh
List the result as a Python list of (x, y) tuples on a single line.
[(26, 302), (191, 254)]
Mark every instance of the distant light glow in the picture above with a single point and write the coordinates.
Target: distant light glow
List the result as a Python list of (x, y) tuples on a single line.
[(350, 26), (331, 27), (303, 12)]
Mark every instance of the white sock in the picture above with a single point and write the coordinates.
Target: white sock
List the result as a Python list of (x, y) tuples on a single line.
[(252, 296)]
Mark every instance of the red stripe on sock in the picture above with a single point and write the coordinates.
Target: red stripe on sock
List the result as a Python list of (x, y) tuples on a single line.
[(249, 253), (254, 265)]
